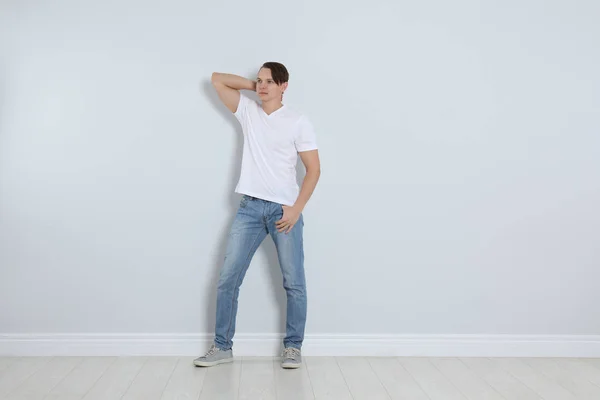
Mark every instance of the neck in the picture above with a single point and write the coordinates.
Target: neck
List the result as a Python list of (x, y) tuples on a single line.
[(271, 106)]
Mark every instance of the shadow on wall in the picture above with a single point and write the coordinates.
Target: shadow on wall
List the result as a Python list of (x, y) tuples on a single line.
[(233, 199)]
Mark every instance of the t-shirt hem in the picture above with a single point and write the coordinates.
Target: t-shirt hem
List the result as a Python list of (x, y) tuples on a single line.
[(268, 198), (308, 148)]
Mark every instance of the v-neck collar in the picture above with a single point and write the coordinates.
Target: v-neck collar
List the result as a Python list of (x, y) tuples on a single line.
[(273, 113)]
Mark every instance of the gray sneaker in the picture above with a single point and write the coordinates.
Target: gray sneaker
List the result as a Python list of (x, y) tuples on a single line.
[(214, 356), (291, 358)]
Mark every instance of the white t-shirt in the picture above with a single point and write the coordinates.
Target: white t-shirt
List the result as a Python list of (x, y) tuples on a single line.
[(271, 146)]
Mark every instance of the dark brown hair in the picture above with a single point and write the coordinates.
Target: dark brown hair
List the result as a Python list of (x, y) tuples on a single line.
[(279, 72)]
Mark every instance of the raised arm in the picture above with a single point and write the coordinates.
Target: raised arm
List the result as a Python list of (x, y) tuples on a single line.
[(228, 87)]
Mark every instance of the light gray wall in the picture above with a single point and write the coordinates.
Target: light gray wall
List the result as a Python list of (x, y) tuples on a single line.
[(460, 164)]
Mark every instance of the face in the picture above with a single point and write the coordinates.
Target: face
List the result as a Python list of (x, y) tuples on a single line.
[(266, 87)]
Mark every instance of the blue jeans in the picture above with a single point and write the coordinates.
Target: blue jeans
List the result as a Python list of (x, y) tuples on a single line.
[(255, 219)]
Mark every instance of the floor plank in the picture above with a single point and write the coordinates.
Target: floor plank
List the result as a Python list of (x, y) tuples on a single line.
[(222, 381), (361, 379), (396, 379), (186, 381), (18, 372), (5, 363), (327, 379), (39, 384), (582, 367), (506, 384), (257, 379), (592, 361), (115, 381), (574, 383), (81, 379), (292, 384), (150, 383), (543, 386), (465, 380), (433, 382)]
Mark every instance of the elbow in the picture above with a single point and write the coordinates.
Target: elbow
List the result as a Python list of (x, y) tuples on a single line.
[(214, 78), (315, 171)]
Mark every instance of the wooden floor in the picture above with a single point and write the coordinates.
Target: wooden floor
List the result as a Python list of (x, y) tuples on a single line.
[(105, 378)]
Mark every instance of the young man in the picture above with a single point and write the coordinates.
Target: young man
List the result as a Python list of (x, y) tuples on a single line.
[(272, 203)]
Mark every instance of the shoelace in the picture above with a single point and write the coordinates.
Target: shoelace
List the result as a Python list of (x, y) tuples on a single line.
[(213, 349), (291, 352)]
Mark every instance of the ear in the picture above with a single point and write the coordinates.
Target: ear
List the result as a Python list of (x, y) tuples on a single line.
[(284, 86)]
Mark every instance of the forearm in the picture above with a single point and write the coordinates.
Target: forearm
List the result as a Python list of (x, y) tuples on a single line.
[(308, 186), (233, 81)]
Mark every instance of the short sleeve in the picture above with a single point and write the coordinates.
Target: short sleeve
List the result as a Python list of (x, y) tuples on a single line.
[(242, 108), (305, 138)]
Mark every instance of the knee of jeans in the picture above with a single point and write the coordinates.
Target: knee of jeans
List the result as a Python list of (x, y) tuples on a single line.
[(295, 288), (226, 278)]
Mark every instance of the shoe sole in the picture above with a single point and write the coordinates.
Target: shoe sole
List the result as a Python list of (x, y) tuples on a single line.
[(290, 366), (212, 363)]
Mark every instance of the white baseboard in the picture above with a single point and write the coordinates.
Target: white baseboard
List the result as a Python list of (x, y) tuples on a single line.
[(314, 345)]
